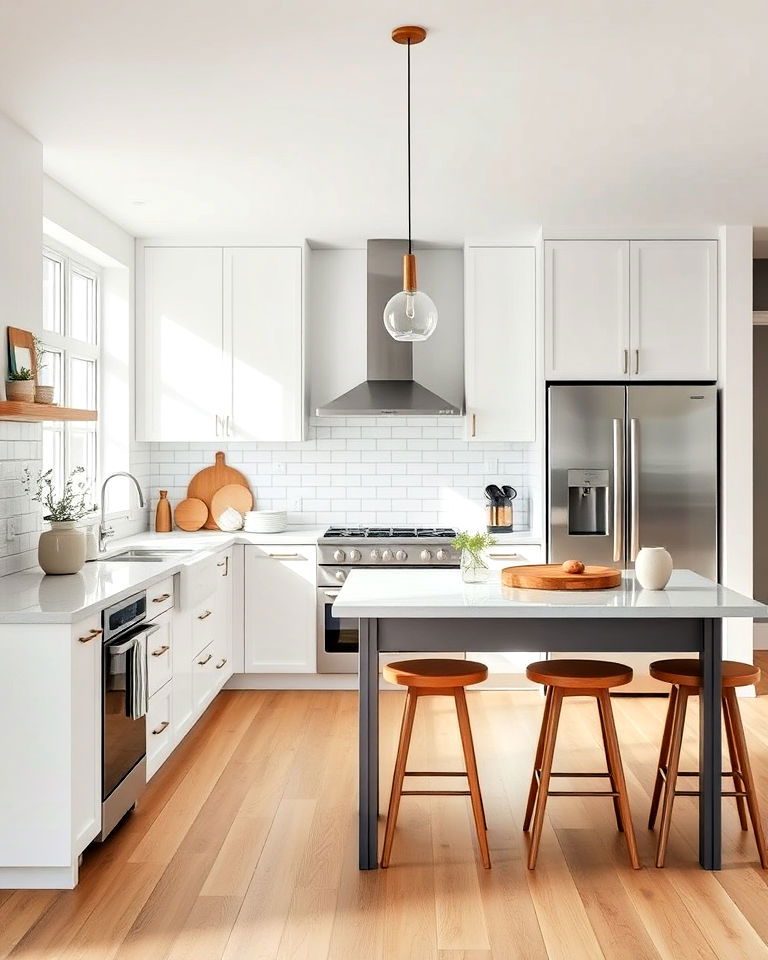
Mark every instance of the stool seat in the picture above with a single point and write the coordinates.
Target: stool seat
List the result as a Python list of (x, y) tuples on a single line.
[(435, 674), (579, 674), (687, 673)]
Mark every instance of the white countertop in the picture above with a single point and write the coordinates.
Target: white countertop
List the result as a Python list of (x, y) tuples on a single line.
[(32, 597), (442, 593)]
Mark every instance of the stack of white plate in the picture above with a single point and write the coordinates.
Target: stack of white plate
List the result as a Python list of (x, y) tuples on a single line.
[(266, 521)]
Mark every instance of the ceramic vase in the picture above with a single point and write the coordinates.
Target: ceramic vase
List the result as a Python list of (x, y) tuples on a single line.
[(163, 514), (474, 569), (653, 568), (61, 549)]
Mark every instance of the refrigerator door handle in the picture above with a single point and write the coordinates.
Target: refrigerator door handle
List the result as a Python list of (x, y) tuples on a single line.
[(618, 490), (634, 495)]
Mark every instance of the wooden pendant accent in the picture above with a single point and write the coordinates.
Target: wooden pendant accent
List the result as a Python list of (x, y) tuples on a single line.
[(409, 272), (409, 34)]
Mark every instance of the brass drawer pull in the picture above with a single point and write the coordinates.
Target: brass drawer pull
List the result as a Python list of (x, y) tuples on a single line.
[(220, 665), (161, 650), (163, 725), (202, 663), (161, 598), (204, 614), (224, 563), (286, 556), (96, 632)]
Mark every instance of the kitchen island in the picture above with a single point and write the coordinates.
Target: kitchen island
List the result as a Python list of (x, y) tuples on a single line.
[(429, 611)]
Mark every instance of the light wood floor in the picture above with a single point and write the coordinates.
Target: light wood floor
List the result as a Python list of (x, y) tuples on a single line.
[(244, 846)]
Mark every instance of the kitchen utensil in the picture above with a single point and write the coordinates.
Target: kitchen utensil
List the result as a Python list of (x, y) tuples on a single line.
[(190, 514), (551, 576), (163, 522), (499, 512), (234, 496), (509, 492), (206, 482)]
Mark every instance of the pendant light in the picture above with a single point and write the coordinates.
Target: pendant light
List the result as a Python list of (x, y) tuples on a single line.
[(410, 314)]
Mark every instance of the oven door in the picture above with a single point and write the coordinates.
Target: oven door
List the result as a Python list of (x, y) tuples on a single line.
[(338, 639)]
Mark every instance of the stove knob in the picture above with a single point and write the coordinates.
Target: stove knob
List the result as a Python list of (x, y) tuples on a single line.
[(374, 555), (426, 555), (354, 555), (401, 555), (341, 576), (386, 555), (339, 556), (442, 555)]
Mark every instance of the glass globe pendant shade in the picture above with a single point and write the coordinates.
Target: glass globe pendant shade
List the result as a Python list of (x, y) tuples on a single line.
[(410, 315)]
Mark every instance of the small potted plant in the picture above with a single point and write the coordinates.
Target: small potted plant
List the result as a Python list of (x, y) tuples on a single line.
[(20, 386), (43, 391), (61, 549), (474, 569)]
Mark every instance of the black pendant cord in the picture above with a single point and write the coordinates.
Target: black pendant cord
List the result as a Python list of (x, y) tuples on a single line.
[(409, 146)]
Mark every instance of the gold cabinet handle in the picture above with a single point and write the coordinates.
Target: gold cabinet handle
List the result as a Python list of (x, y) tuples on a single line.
[(626, 361), (474, 424), (637, 361), (204, 614), (224, 563), (220, 665), (161, 650), (286, 556), (163, 725), (506, 556), (202, 663), (91, 635), (161, 598)]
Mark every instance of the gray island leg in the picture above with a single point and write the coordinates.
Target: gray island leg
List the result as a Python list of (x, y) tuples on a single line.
[(710, 758), (369, 745)]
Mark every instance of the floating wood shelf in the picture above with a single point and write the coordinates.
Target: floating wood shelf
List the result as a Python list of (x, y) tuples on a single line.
[(33, 412)]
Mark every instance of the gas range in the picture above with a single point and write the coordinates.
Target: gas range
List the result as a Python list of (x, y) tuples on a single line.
[(349, 547)]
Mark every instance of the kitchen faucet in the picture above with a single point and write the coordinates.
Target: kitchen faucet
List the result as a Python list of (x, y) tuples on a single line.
[(105, 531)]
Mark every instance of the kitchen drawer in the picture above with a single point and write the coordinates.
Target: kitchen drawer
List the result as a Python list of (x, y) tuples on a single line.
[(159, 598), (206, 622), (222, 658), (204, 679), (159, 730), (159, 653), (199, 581)]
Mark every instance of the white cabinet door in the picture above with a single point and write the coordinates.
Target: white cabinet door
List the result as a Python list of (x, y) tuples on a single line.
[(180, 368), (222, 644), (280, 598), (86, 732), (500, 343), (159, 729), (160, 652), (586, 309), (264, 318), (673, 309)]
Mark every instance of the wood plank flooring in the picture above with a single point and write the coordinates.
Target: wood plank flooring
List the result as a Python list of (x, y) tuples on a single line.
[(244, 846)]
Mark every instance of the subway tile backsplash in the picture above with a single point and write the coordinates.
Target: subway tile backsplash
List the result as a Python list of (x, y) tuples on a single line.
[(357, 470), (20, 523)]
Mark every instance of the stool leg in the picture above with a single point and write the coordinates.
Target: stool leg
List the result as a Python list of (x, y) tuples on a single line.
[(406, 729), (618, 776), (746, 770), (673, 766), (738, 777), (537, 761), (474, 780), (611, 778), (547, 754), (663, 764)]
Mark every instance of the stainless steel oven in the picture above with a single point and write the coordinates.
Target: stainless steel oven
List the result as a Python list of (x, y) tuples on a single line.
[(125, 696), (338, 637)]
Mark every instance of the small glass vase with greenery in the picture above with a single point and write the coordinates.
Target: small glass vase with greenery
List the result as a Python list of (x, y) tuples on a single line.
[(474, 568), (74, 502)]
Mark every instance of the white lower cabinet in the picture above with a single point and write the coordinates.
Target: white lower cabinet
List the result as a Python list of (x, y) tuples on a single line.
[(280, 609), (159, 729), (86, 732)]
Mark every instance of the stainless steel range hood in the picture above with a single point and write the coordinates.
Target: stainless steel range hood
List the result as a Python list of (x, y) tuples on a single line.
[(389, 388)]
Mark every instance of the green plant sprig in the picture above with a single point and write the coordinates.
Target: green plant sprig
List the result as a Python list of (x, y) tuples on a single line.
[(23, 373), (473, 543), (73, 504)]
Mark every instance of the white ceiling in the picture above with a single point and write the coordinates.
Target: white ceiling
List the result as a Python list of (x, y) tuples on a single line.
[(279, 120)]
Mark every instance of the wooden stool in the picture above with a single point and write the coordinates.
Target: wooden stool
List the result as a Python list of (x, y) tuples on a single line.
[(578, 678), (435, 678), (685, 677)]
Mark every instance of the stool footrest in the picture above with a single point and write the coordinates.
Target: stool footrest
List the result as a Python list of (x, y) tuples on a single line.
[(582, 793), (435, 793), (576, 776), (435, 773)]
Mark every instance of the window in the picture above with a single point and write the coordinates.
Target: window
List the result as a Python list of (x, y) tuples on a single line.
[(70, 361)]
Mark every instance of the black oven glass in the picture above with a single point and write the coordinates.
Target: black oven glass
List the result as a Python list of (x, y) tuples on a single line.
[(341, 633), (124, 741)]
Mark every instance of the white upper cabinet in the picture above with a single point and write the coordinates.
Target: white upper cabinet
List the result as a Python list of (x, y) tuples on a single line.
[(673, 309), (180, 368), (586, 309), (630, 310), (500, 343), (263, 311), (221, 344)]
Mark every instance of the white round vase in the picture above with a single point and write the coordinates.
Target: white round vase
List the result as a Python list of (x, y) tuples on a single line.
[(61, 549), (653, 568)]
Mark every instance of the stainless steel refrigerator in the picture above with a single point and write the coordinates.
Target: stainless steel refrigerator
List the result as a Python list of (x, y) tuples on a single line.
[(633, 466)]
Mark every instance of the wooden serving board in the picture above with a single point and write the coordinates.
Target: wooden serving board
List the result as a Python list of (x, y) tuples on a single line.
[(206, 482), (233, 495), (190, 514), (551, 576)]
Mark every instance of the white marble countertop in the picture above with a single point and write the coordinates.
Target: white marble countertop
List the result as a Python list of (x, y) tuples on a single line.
[(32, 597), (442, 593)]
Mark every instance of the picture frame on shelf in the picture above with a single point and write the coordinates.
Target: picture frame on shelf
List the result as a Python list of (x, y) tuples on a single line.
[(21, 351)]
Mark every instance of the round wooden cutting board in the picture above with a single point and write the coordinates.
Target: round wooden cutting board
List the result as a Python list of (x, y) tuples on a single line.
[(551, 576), (190, 514), (232, 495), (206, 482)]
